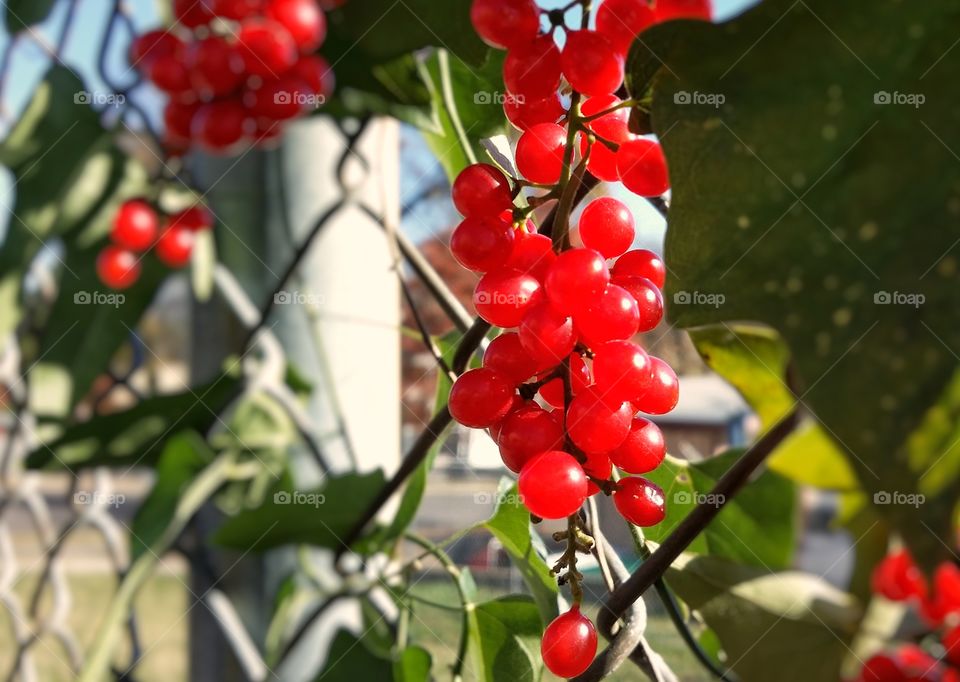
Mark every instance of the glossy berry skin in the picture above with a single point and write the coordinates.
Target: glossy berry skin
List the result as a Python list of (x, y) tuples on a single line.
[(215, 66), (897, 578), (668, 10), (641, 263), (267, 48), (134, 226), (481, 190), (620, 21), (607, 226), (642, 451), (580, 378), (505, 23), (532, 70), (525, 433), (643, 167), (595, 425), (153, 44), (480, 398), (303, 19), (612, 127), (506, 355), (174, 246), (524, 113), (575, 280), (117, 267), (540, 153), (613, 315), (569, 644), (639, 501), (547, 335), (502, 297), (648, 297), (482, 243), (664, 389), (532, 253), (494, 430), (552, 485), (621, 370), (591, 64), (195, 218)]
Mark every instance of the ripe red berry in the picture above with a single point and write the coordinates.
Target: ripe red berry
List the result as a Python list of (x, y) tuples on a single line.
[(648, 297), (174, 246), (667, 10), (552, 485), (606, 225), (267, 48), (664, 389), (532, 70), (612, 127), (117, 267), (191, 13), (277, 99), (643, 167), (178, 119), (480, 398), (576, 279), (303, 19), (220, 125), (153, 44), (595, 425), (641, 263), (524, 112), (639, 501), (540, 153), (505, 23), (527, 432), (482, 243), (909, 663), (134, 225), (621, 370), (623, 20), (552, 391), (642, 451), (547, 335), (569, 644), (944, 598), (532, 253), (502, 297), (169, 73), (215, 66), (591, 64), (898, 578), (235, 9), (612, 315), (506, 355), (195, 218), (481, 190)]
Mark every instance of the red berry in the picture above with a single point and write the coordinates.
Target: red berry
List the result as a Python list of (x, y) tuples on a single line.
[(191, 13), (303, 20), (215, 66), (532, 70), (266, 47), (481, 190), (951, 645), (667, 10), (178, 119), (236, 9), (314, 71), (642, 451), (642, 167), (169, 73), (552, 391), (639, 501), (532, 253), (527, 432), (220, 125), (569, 644), (944, 598), (546, 334), (623, 20), (134, 226), (648, 297), (613, 315), (480, 398), (153, 44), (277, 99), (621, 370), (576, 279), (502, 297), (515, 405), (117, 267), (195, 218), (505, 23), (552, 485), (612, 127), (525, 113), (664, 389), (506, 355), (606, 225), (595, 425), (174, 246), (482, 243), (591, 64), (909, 663), (641, 263), (540, 153)]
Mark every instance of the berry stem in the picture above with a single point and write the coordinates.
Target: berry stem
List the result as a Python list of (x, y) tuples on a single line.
[(581, 120)]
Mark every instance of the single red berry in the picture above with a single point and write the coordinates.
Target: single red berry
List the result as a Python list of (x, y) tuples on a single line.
[(153, 44), (196, 218), (215, 66), (569, 644), (642, 451), (591, 64), (643, 167), (532, 70), (502, 297), (174, 247), (267, 48), (552, 485), (482, 243), (597, 466), (532, 253), (527, 432), (648, 297), (540, 153), (178, 120), (595, 425), (623, 20), (611, 127), (576, 279), (546, 334), (621, 370), (135, 225), (169, 73), (612, 315), (220, 125), (667, 10), (506, 355), (303, 19), (525, 113), (606, 225), (117, 267), (580, 378), (316, 73), (641, 263), (481, 190), (505, 23), (639, 501), (664, 389), (235, 9), (191, 13), (944, 598), (480, 398)]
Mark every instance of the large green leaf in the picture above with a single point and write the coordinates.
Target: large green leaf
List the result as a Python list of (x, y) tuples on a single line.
[(792, 200), (756, 527), (501, 631)]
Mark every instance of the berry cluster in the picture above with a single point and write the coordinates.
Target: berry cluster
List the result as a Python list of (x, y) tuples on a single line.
[(136, 229), (897, 578), (235, 70)]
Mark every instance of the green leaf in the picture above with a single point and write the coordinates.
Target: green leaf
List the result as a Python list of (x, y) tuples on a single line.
[(413, 666), (791, 622), (789, 201), (317, 517), (810, 457), (500, 639), (349, 661), (137, 436), (23, 13), (755, 528)]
